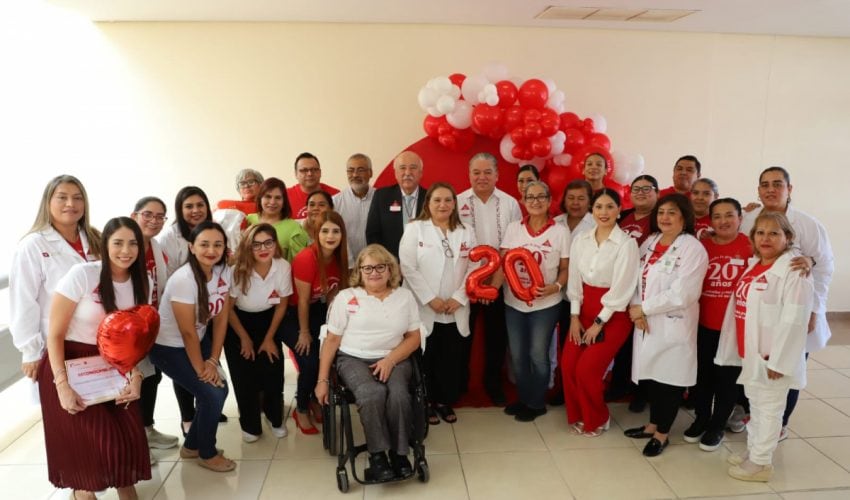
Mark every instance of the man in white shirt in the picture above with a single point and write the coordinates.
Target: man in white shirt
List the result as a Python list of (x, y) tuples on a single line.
[(353, 203), (489, 211)]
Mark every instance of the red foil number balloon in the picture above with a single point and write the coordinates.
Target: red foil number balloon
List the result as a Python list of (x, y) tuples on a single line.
[(532, 268), (475, 288), (125, 337)]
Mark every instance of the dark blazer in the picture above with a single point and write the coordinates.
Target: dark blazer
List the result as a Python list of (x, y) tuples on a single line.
[(383, 225)]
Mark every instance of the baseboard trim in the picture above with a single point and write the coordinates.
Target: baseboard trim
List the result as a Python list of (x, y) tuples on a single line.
[(838, 315)]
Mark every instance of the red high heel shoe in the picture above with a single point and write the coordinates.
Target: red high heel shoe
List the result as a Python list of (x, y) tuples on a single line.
[(304, 430)]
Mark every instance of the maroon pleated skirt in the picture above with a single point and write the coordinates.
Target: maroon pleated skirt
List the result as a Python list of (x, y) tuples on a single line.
[(103, 446)]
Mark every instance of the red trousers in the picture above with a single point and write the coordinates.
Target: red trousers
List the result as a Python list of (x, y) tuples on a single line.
[(583, 366)]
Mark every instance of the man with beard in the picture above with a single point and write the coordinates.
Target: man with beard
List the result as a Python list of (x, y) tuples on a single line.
[(353, 203)]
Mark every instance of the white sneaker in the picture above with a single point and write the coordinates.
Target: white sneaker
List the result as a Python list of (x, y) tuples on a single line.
[(159, 440), (280, 432), (153, 458), (783, 434), (249, 438)]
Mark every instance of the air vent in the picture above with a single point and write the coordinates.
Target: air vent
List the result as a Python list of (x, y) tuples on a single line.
[(662, 15), (553, 12), (606, 14)]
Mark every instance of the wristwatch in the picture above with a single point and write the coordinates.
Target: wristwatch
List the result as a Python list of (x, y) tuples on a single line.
[(599, 321)]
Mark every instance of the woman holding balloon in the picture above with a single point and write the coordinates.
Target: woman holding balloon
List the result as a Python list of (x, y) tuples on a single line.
[(92, 448), (533, 297)]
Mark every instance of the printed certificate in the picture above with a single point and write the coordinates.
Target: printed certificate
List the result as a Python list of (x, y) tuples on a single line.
[(94, 379)]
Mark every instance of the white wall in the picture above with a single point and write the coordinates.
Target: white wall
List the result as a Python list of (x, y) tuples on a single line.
[(145, 108)]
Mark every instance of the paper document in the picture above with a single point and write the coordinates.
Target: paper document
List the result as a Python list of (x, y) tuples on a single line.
[(94, 379)]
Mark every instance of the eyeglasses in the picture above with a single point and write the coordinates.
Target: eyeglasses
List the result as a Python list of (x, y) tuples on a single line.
[(305, 171), (149, 216), (377, 267), (447, 250), (643, 189), (267, 244), (358, 171), (247, 184), (540, 197)]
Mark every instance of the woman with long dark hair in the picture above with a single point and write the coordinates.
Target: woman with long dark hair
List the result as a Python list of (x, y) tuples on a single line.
[(273, 208)]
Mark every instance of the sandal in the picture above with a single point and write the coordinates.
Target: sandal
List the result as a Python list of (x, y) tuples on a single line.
[(218, 463), (433, 418), (446, 413), (188, 453), (308, 429)]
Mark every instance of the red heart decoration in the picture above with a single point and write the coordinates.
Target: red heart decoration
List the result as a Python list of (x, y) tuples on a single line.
[(125, 337)]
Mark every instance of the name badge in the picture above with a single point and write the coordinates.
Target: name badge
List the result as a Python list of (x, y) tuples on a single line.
[(395, 207), (737, 262), (667, 264), (353, 305), (760, 284), (274, 300)]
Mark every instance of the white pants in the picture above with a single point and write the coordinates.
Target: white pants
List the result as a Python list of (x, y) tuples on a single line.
[(767, 405)]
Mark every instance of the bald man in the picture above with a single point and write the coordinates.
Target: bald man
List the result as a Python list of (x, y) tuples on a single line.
[(394, 206)]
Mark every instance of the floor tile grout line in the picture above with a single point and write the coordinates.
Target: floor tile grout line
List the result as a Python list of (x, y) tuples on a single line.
[(460, 462)]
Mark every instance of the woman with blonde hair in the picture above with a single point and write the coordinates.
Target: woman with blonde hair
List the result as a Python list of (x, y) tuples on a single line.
[(373, 328), (60, 237), (262, 284)]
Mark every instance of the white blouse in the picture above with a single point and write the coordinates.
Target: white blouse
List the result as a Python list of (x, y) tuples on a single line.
[(613, 264), (264, 293)]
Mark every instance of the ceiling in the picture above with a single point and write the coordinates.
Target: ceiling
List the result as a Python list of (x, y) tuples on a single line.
[(829, 18)]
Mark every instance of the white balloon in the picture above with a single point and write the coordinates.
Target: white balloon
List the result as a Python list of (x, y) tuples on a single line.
[(600, 124), (455, 92), (537, 162), (427, 98), (506, 149), (550, 85), (563, 159), (556, 101), (442, 84), (461, 117), (433, 111), (492, 100), (445, 104), (495, 72), (557, 142), (471, 87)]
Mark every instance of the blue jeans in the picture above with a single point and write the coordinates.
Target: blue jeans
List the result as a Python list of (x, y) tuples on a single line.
[(529, 336), (174, 362)]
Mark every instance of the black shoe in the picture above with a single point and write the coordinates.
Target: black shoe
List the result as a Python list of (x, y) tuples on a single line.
[(514, 408), (694, 432), (379, 467), (529, 414), (654, 447), (401, 465), (222, 418), (711, 440), (637, 433), (637, 404), (557, 399)]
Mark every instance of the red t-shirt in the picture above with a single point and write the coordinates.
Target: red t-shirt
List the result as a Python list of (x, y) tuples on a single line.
[(726, 264), (246, 207), (703, 224), (298, 199), (305, 267), (670, 190), (637, 229), (655, 253), (754, 275)]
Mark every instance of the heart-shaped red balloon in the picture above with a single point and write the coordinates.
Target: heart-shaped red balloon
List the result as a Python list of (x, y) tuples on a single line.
[(125, 337)]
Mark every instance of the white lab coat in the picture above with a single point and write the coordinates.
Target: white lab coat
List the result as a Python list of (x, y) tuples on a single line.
[(775, 326), (161, 267), (422, 258), (41, 260), (668, 352), (174, 246), (810, 240)]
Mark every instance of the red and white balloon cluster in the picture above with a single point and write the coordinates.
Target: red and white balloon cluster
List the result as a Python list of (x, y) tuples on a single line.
[(528, 117)]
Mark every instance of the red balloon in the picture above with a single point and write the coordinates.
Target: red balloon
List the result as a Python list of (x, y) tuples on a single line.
[(575, 137), (513, 117), (475, 288), (457, 79), (569, 120), (521, 153), (541, 147), (532, 271), (445, 128), (600, 140), (533, 94), (487, 119), (518, 136), (549, 125), (432, 125), (507, 92), (457, 140), (150, 315), (587, 125), (531, 115), (124, 338), (532, 130)]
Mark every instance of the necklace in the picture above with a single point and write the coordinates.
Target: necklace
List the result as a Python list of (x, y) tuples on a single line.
[(498, 214)]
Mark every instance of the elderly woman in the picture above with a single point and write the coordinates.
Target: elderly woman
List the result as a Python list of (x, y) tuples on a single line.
[(765, 331), (248, 183), (373, 328), (434, 254), (665, 311)]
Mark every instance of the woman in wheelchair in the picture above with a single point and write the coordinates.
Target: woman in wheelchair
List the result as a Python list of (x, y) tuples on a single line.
[(373, 328)]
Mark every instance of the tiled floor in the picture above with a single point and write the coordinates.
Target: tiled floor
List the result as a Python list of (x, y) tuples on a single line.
[(488, 455)]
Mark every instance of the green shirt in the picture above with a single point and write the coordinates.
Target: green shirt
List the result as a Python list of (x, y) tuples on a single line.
[(290, 235)]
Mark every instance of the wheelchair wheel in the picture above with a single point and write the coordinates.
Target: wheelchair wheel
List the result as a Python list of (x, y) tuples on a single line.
[(332, 429), (423, 471), (342, 479)]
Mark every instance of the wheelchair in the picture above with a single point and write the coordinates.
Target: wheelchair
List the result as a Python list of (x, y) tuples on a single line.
[(338, 435)]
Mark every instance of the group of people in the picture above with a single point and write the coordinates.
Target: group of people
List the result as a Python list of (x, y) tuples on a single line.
[(685, 292)]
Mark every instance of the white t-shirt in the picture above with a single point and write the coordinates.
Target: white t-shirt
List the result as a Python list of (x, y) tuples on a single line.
[(181, 288), (265, 293), (354, 211), (371, 328), (82, 285), (548, 247)]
